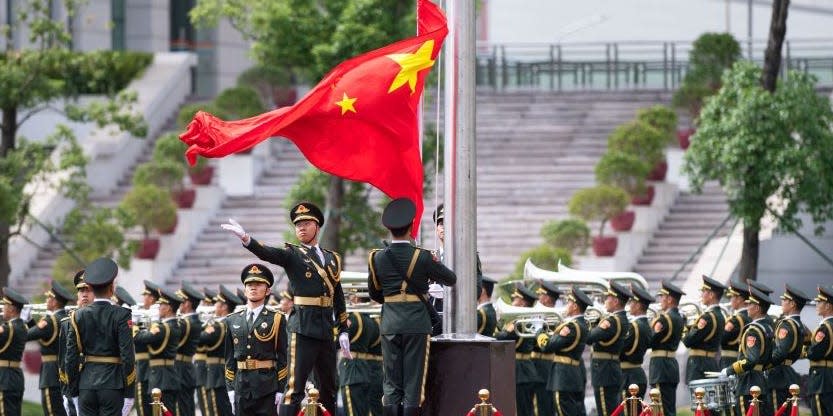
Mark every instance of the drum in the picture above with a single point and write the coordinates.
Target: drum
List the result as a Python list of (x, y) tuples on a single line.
[(719, 397)]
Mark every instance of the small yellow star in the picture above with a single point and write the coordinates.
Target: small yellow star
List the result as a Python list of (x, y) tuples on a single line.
[(411, 64), (346, 104)]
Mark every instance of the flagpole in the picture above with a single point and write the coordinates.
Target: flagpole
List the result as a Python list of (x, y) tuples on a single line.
[(460, 167)]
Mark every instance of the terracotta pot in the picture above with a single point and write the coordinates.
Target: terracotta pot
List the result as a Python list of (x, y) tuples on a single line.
[(605, 246), (185, 198), (171, 229), (148, 248), (684, 137), (32, 361), (202, 177), (623, 221), (659, 171), (646, 198)]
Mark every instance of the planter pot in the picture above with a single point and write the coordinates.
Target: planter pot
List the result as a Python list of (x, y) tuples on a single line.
[(202, 177), (185, 198), (644, 199), (659, 171), (623, 221), (605, 246), (684, 137), (171, 229), (32, 361), (148, 248)]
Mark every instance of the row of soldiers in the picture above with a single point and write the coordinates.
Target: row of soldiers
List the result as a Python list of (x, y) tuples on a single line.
[(748, 344)]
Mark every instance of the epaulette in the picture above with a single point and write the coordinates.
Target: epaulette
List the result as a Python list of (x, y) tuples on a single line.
[(290, 245)]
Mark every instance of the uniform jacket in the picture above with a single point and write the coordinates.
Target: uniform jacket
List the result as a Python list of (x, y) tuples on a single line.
[(363, 332), (265, 340), (790, 336), (486, 319), (161, 340), (637, 342), (12, 343), (705, 335), (755, 353), (666, 331), (525, 371), (730, 340), (191, 327), (567, 341), (820, 379), (213, 339), (608, 338), (47, 332)]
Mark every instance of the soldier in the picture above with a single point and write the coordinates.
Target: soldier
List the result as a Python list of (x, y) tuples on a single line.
[(790, 335), (486, 316), (69, 388), (213, 339), (354, 374), (285, 304), (766, 290), (161, 341), (122, 298), (47, 333), (820, 354), (12, 342), (755, 353), (436, 290), (667, 329), (703, 339), (730, 341), (398, 277), (607, 340), (314, 280), (567, 376), (200, 367), (99, 349), (637, 342), (190, 325), (525, 372), (548, 294), (256, 361), (150, 296)]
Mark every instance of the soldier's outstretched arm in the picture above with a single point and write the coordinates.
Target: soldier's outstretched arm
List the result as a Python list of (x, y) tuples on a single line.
[(274, 255)]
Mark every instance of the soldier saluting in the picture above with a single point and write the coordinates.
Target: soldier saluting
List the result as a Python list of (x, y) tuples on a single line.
[(608, 339), (315, 281), (663, 370), (47, 333), (790, 335), (703, 339)]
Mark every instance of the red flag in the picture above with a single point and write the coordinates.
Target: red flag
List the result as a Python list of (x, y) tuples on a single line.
[(359, 123)]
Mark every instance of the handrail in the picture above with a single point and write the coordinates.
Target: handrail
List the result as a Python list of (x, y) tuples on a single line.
[(700, 247)]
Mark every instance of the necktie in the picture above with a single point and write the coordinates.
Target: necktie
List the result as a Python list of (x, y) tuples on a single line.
[(251, 320)]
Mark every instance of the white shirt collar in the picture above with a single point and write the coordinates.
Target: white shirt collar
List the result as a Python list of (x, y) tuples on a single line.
[(400, 241), (483, 304), (255, 310), (110, 301), (639, 316)]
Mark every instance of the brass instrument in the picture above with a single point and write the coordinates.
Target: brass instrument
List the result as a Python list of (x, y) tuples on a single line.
[(143, 318), (690, 311), (593, 316)]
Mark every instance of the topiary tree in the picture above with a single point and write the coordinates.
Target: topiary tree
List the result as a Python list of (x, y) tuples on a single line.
[(661, 118), (150, 207), (544, 256), (570, 234), (599, 203), (239, 102), (623, 170), (710, 56), (164, 174), (639, 139), (168, 147), (274, 85)]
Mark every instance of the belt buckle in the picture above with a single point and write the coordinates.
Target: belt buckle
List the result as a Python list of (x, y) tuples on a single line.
[(251, 364)]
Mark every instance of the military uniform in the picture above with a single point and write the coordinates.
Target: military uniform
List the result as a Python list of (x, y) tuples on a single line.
[(200, 366), (213, 339), (398, 277), (607, 341), (526, 373), (636, 344), (703, 338), (486, 315), (100, 350), (543, 398), (377, 373), (47, 333), (355, 375), (191, 327), (732, 330), (143, 399), (161, 340), (790, 337), (663, 370), (256, 362), (12, 342), (567, 376), (820, 354), (69, 388)]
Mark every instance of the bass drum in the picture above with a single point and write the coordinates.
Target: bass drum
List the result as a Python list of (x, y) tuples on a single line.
[(719, 395)]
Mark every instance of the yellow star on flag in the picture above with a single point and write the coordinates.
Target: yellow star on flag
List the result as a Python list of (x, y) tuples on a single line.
[(346, 104), (411, 64)]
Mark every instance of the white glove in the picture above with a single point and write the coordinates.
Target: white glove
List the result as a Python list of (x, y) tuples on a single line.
[(724, 373), (237, 230), (75, 403), (128, 405), (231, 400), (436, 290), (278, 398), (66, 404), (344, 342), (26, 313)]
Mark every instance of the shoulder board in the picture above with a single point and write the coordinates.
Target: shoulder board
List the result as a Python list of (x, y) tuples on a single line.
[(375, 250), (291, 246), (238, 313), (64, 319)]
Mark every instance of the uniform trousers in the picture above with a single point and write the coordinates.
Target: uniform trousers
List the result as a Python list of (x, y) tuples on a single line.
[(607, 398), (821, 404), (406, 366), (543, 399), (217, 402), (101, 402), (524, 395), (311, 355), (203, 402), (52, 401), (11, 402), (375, 388), (260, 406), (185, 400), (355, 399), (569, 403), (668, 394)]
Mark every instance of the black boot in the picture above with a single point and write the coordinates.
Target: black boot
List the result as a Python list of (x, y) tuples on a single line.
[(289, 410), (411, 411), (389, 410)]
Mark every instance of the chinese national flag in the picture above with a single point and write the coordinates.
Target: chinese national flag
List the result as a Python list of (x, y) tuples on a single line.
[(359, 123)]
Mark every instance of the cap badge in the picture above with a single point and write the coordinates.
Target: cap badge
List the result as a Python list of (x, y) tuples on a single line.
[(302, 209), (255, 270)]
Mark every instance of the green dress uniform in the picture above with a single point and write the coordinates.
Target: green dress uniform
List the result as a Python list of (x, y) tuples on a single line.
[(543, 400), (143, 398), (100, 349), (161, 340), (790, 338), (377, 372), (820, 354), (486, 319), (186, 349), (47, 332), (607, 341), (255, 347), (355, 376), (663, 369), (526, 372), (703, 341), (12, 343), (730, 341), (637, 342), (213, 339)]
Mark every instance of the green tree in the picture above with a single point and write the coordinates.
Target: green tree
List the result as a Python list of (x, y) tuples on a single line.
[(43, 75), (711, 54), (766, 149), (544, 256), (570, 233)]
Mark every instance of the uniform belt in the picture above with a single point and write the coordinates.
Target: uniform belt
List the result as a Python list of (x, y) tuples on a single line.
[(702, 353), (214, 360), (9, 364), (252, 364), (322, 301), (662, 353), (402, 297), (787, 362), (563, 359), (604, 356), (542, 356), (819, 363), (200, 356), (759, 367), (142, 356), (522, 356), (366, 356), (624, 365), (160, 362), (102, 360), (184, 358), (728, 354), (48, 358)]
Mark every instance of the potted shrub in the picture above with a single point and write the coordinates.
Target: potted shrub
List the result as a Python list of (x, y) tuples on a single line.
[(663, 119), (239, 102), (544, 256), (151, 208), (571, 234), (170, 149), (167, 175), (710, 55), (600, 203), (640, 139), (628, 172), (274, 84)]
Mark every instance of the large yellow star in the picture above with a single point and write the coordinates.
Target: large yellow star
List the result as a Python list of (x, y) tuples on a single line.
[(346, 103), (411, 64)]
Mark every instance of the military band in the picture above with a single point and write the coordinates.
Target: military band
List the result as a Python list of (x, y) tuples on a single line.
[(636, 344), (667, 329), (526, 375), (703, 338), (607, 340)]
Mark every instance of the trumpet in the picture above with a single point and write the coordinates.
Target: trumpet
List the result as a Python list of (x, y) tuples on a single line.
[(690, 312), (529, 326)]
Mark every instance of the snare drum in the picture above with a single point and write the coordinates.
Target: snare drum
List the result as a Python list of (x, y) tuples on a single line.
[(719, 397)]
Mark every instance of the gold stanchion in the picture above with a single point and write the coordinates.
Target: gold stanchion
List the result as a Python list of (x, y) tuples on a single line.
[(656, 403), (633, 403), (699, 393), (794, 390), (156, 403), (755, 391), (313, 408), (484, 408)]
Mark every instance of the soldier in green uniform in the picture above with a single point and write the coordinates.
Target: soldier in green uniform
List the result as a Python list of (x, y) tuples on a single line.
[(607, 340), (69, 388), (355, 376), (637, 342), (703, 339), (790, 336), (315, 281), (730, 341), (567, 376), (213, 338), (149, 297), (548, 294), (191, 326), (122, 298), (525, 372), (100, 349), (667, 329), (398, 277), (486, 315), (161, 341), (755, 352), (766, 291), (256, 360), (200, 367), (12, 342), (377, 372), (820, 354), (47, 333)]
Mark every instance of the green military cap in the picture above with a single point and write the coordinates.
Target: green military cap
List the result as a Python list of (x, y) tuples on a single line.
[(210, 294), (257, 272), (11, 297), (737, 289), (286, 294), (796, 295), (713, 285), (228, 297), (825, 294), (100, 272), (122, 297), (523, 292), (579, 297), (189, 292), (760, 298), (306, 211), (398, 214), (668, 289), (641, 295), (618, 291), (169, 297), (59, 292), (760, 286), (489, 284), (439, 214), (548, 288), (79, 280), (151, 289)]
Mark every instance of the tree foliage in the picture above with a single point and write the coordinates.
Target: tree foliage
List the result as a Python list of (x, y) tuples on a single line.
[(571, 234), (544, 256), (623, 170), (599, 203), (711, 54), (769, 151)]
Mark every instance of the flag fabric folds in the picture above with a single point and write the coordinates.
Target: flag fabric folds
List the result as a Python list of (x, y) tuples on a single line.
[(359, 123)]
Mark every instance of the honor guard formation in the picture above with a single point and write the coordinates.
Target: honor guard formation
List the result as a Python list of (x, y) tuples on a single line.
[(252, 351)]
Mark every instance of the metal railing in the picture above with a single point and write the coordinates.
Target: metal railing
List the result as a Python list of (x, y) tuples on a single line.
[(622, 65)]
